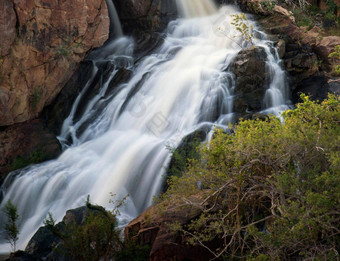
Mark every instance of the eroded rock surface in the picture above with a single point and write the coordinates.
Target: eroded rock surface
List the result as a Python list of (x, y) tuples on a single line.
[(42, 41), (249, 68)]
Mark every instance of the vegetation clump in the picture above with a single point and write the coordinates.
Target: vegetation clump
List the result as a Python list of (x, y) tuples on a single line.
[(96, 238), (11, 228), (270, 190), (336, 55)]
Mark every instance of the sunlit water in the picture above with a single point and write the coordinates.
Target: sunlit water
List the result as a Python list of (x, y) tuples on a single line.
[(180, 87)]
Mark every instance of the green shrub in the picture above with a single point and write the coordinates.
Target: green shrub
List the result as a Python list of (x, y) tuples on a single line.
[(97, 239), (36, 97), (133, 252), (270, 191), (11, 228), (21, 162), (336, 55)]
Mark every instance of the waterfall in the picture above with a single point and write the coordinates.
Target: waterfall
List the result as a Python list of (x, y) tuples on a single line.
[(115, 26), (194, 8), (182, 86)]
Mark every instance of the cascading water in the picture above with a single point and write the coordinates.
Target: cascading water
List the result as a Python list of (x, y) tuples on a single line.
[(182, 86), (195, 8)]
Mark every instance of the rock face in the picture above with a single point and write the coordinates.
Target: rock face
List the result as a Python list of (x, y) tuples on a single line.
[(139, 16), (41, 44), (249, 68), (26, 143), (325, 46)]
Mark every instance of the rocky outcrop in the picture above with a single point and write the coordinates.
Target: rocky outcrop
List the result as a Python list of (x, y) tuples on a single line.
[(152, 228), (140, 16), (47, 244), (317, 88), (304, 53), (26, 143), (249, 67), (41, 44), (324, 46)]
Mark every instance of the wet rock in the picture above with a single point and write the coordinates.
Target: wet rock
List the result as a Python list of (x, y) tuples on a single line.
[(249, 68), (139, 16), (56, 113), (41, 44)]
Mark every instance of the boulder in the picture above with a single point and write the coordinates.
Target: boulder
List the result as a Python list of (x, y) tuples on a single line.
[(42, 43), (46, 243), (317, 88), (249, 67), (280, 10), (152, 228), (302, 65), (326, 46)]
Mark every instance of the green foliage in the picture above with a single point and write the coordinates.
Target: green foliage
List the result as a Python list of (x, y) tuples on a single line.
[(11, 228), (63, 50), (97, 238), (303, 18), (268, 5), (49, 221), (133, 252), (269, 191), (302, 4), (36, 97), (183, 155), (20, 162), (242, 25), (336, 55)]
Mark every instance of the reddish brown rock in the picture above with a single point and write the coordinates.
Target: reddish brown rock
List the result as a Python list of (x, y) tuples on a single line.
[(326, 46), (152, 228), (7, 26), (41, 50)]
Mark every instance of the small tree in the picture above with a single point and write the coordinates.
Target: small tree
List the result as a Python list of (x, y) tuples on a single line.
[(11, 227), (336, 55), (243, 26)]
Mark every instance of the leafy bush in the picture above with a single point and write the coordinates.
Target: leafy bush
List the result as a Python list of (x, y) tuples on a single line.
[(336, 55), (243, 26), (269, 191), (96, 238)]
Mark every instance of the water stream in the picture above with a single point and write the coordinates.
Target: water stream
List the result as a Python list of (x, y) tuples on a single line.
[(181, 86)]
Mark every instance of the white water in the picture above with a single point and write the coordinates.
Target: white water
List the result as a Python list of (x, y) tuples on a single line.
[(115, 26), (195, 8), (174, 91)]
